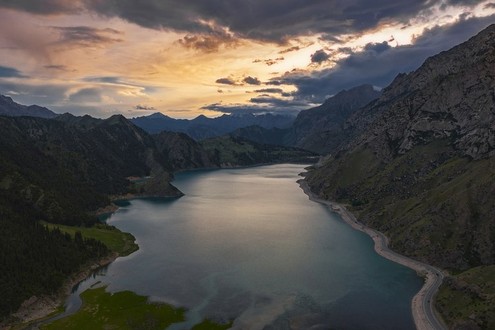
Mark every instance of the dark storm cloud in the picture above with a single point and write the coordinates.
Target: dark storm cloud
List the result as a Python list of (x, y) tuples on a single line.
[(270, 20), (87, 36), (468, 3), (45, 7), (225, 81), (319, 56), (86, 95), (378, 63), (252, 80), (8, 72)]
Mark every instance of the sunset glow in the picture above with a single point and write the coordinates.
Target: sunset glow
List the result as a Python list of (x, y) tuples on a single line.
[(85, 57)]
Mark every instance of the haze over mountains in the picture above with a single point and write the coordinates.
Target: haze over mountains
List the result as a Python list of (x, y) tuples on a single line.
[(415, 161), (203, 127)]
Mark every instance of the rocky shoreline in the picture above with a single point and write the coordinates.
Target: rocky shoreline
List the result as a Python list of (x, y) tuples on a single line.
[(422, 304)]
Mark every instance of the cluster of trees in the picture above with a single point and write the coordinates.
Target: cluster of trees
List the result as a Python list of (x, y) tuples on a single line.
[(34, 259)]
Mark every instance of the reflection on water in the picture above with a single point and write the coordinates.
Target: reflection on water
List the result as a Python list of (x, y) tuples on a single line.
[(247, 244)]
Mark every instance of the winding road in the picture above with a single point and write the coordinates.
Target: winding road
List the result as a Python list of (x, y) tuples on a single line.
[(423, 310)]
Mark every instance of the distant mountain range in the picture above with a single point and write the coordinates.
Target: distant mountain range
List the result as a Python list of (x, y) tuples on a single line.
[(319, 129), (415, 161), (61, 170), (202, 127), (9, 108)]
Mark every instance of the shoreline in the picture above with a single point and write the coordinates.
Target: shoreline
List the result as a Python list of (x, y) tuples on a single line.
[(422, 307), (37, 309)]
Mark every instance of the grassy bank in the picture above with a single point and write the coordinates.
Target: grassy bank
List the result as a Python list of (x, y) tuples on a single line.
[(124, 310), (116, 240), (468, 299), (121, 310)]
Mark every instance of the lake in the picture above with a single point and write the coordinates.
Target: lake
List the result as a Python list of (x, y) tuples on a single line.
[(247, 244)]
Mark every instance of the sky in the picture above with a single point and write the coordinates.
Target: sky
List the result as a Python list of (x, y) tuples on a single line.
[(212, 57)]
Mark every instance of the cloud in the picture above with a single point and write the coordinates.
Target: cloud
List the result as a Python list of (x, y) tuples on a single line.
[(290, 49), (274, 82), (277, 102), (56, 67), (319, 56), (212, 23), (8, 72), (144, 107), (490, 5), (268, 20), (254, 109), (466, 3), (270, 90), (252, 80), (207, 43), (45, 7), (225, 81), (378, 63), (270, 61), (86, 95), (87, 36)]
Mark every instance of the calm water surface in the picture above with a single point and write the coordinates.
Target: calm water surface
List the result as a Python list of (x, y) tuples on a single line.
[(248, 244)]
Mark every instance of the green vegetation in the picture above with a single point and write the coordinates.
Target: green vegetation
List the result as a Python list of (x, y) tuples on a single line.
[(468, 299), (121, 310), (116, 240), (434, 206), (236, 151), (125, 310), (34, 260), (210, 325)]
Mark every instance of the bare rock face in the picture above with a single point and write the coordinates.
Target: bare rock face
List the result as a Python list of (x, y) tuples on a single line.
[(452, 95), (321, 129), (418, 163)]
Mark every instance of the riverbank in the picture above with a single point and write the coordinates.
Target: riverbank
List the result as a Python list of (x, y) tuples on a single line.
[(422, 305)]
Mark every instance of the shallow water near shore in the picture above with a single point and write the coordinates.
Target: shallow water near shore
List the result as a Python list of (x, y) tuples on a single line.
[(248, 245)]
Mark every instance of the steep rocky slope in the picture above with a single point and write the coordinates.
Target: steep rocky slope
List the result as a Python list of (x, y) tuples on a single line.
[(420, 164), (319, 129)]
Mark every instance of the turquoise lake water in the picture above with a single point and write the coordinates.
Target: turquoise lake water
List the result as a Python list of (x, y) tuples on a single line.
[(247, 244)]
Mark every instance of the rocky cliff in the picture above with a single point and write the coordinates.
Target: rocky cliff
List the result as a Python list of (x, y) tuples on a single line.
[(420, 167)]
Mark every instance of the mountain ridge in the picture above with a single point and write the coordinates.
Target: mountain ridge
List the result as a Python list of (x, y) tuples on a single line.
[(419, 166)]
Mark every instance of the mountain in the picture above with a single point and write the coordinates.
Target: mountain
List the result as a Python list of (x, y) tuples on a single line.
[(229, 151), (319, 129), (180, 151), (419, 165), (61, 170), (203, 127), (9, 108)]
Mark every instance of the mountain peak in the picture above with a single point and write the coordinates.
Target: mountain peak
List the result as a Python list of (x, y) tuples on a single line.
[(8, 107), (158, 115)]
